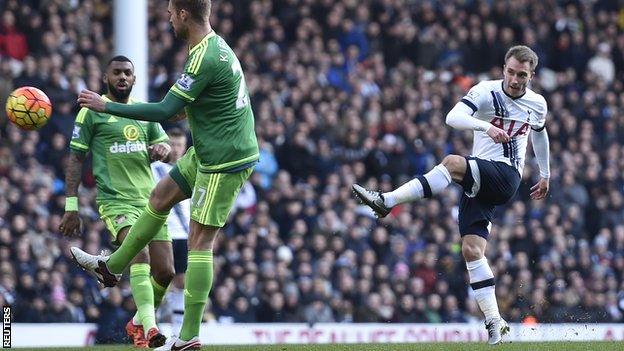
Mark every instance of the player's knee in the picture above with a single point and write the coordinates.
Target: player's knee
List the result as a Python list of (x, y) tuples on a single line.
[(203, 240), (471, 252), (164, 274), (142, 257), (456, 166), (158, 200)]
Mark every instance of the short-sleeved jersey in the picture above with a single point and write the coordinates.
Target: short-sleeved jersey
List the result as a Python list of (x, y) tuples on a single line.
[(180, 216), (516, 116), (218, 109), (118, 146)]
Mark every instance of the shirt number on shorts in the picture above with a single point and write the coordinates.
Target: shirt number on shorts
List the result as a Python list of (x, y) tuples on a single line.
[(200, 196)]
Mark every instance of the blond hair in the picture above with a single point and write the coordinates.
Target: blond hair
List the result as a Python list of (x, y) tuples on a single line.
[(523, 53)]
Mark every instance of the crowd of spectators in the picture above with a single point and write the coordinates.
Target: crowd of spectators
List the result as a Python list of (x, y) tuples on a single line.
[(343, 91)]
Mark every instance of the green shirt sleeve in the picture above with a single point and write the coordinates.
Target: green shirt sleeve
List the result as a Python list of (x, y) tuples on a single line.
[(83, 132), (152, 111), (197, 75), (156, 133)]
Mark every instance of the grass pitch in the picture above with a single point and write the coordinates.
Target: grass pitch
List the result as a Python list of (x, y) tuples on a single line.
[(520, 346)]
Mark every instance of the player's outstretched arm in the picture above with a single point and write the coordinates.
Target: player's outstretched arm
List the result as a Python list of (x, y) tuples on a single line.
[(460, 117), (541, 147), (70, 223), (152, 111)]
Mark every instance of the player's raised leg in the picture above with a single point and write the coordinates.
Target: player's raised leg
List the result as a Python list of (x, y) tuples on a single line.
[(452, 168), (108, 268)]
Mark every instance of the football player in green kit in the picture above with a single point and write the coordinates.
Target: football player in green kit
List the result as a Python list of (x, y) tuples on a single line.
[(122, 150), (214, 96)]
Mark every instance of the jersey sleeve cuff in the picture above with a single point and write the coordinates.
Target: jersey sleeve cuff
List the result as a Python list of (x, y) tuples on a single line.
[(74, 145), (470, 104), (539, 129), (179, 93)]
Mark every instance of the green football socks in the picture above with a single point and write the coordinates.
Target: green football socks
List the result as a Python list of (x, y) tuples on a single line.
[(159, 292), (143, 294), (197, 284), (141, 233)]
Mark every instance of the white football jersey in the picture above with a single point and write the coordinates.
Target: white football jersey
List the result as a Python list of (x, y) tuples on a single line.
[(180, 215), (516, 116)]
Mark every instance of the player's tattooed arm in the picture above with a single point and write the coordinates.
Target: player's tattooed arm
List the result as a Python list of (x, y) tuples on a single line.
[(73, 174), (70, 223)]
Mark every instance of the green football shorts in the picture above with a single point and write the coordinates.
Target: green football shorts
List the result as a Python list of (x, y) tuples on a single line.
[(212, 194), (118, 215)]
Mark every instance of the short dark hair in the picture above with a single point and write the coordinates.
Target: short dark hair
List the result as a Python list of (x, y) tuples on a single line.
[(176, 132), (119, 58), (199, 9)]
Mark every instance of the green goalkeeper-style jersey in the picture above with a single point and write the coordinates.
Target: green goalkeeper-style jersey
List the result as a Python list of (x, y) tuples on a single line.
[(218, 109), (118, 146)]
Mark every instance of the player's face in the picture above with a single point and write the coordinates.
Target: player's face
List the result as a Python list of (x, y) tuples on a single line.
[(178, 21), (178, 147), (119, 78), (517, 76)]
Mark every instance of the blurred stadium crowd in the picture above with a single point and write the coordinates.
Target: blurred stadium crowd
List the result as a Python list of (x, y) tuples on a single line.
[(343, 91)]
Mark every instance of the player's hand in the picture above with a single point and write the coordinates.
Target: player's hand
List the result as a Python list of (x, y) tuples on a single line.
[(498, 135), (92, 101), (159, 152), (539, 190), (70, 224)]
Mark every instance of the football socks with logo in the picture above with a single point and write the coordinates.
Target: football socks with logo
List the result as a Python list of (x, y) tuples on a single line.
[(197, 284)]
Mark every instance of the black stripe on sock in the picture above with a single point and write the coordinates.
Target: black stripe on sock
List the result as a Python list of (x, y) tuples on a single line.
[(425, 185), (178, 312), (482, 284)]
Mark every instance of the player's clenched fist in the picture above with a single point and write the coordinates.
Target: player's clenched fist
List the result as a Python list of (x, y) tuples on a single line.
[(498, 135), (159, 152)]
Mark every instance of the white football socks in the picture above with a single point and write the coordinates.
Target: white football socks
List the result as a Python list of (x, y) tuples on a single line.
[(422, 186), (482, 283)]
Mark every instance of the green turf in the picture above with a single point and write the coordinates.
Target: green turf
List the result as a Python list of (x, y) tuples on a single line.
[(532, 346)]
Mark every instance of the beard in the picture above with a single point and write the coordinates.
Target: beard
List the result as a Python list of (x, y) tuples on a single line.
[(118, 94), (181, 33)]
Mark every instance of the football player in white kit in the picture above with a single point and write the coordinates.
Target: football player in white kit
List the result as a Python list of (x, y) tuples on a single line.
[(178, 225), (501, 113)]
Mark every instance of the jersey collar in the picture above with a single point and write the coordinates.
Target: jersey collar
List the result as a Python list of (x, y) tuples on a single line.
[(130, 99), (511, 97), (208, 36)]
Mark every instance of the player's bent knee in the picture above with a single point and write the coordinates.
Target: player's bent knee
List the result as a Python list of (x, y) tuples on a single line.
[(164, 274), (471, 252), (456, 166), (142, 257), (165, 195)]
